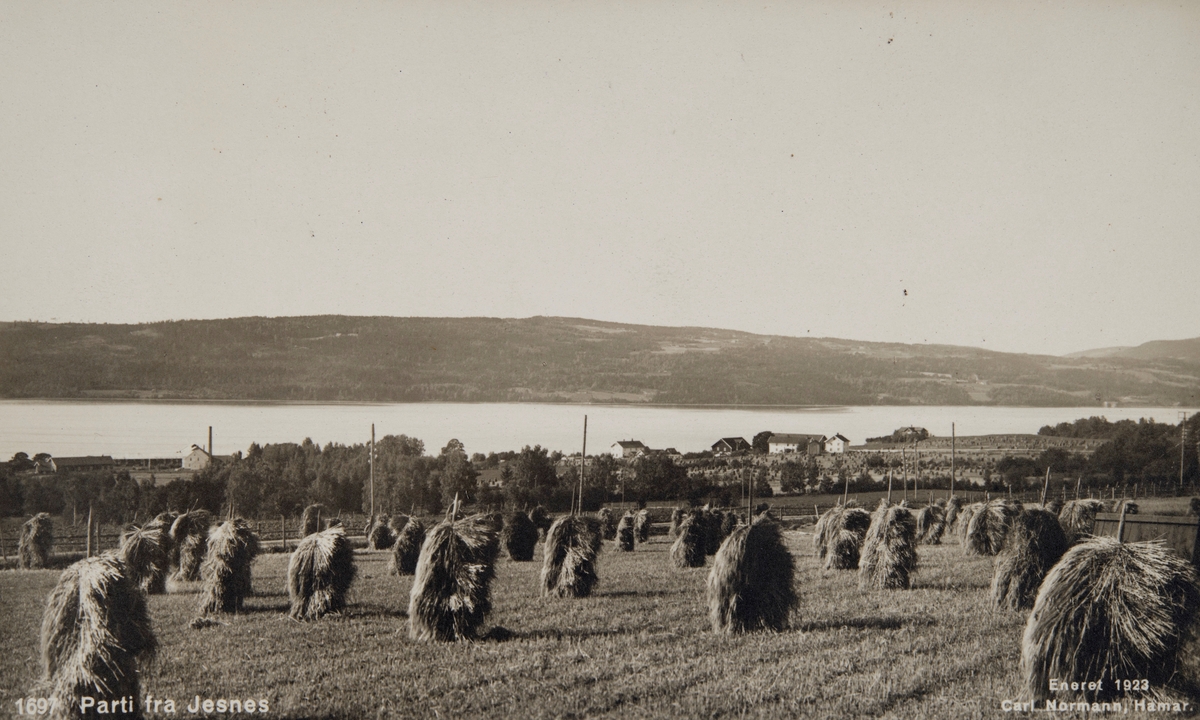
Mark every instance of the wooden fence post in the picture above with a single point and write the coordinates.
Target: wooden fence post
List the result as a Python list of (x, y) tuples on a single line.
[(89, 531)]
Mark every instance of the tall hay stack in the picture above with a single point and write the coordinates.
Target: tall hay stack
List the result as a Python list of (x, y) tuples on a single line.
[(145, 553), (310, 520), (232, 547), (381, 536), (889, 551), (989, 526), (95, 630), (319, 574), (189, 543), (1034, 544), (1078, 518), (569, 557), (608, 523), (821, 531), (931, 524), (729, 523), (750, 586), (37, 540), (625, 533), (407, 550), (676, 518), (688, 549), (541, 519), (641, 526), (1109, 611), (519, 536), (845, 533), (451, 594), (953, 507)]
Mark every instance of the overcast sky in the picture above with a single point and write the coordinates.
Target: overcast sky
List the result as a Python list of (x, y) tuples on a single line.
[(1015, 176)]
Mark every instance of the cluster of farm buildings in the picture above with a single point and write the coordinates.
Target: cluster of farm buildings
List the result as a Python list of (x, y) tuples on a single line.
[(777, 444)]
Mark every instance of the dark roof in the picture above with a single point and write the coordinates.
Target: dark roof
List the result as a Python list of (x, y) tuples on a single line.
[(630, 444), (840, 436), (84, 460), (795, 438)]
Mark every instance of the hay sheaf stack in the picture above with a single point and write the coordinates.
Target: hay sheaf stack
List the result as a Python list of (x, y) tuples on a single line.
[(844, 533), (608, 523), (750, 586), (407, 549), (37, 540), (310, 520), (319, 574), (641, 526), (625, 533), (953, 508), (95, 631), (145, 553), (1110, 611), (381, 535), (569, 557), (889, 550), (688, 549), (1078, 518), (451, 594), (931, 524), (989, 526), (1034, 544), (519, 536), (232, 547), (676, 518), (189, 543), (540, 519)]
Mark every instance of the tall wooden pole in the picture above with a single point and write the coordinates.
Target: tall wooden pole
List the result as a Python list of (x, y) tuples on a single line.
[(89, 531), (889, 486), (582, 463), (951, 459), (372, 461), (904, 464), (1046, 486), (1182, 443)]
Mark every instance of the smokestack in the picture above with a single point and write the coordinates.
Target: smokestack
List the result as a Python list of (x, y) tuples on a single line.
[(210, 452)]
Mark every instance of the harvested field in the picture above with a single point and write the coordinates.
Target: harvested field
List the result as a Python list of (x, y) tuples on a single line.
[(640, 646)]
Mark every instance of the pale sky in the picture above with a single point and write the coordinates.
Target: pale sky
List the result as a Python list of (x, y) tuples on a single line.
[(1028, 173)]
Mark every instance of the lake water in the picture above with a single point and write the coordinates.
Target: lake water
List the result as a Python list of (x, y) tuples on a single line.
[(168, 429)]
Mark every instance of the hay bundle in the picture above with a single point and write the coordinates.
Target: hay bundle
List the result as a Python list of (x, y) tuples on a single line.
[(729, 523), (1111, 611), (1078, 518), (519, 536), (381, 537), (750, 584), (452, 592), (822, 531), (319, 574), (94, 631), (540, 519), (608, 523), (37, 539), (189, 543), (847, 529), (310, 520), (1035, 542), (676, 518), (889, 552), (641, 526), (145, 553), (232, 546), (407, 549), (625, 533), (712, 532), (989, 525), (931, 524), (569, 557), (688, 549), (953, 507)]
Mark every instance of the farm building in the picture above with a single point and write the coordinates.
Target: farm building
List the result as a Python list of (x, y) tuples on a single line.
[(199, 458), (81, 464), (730, 445), (796, 443), (628, 449), (836, 444)]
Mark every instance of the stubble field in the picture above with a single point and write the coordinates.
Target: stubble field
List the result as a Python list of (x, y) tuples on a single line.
[(641, 646)]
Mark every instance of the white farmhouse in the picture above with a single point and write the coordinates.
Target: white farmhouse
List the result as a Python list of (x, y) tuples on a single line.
[(836, 444)]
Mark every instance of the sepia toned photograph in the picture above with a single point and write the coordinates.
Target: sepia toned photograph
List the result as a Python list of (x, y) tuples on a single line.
[(537, 359)]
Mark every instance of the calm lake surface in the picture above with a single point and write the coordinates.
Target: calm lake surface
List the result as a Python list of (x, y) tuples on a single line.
[(167, 429)]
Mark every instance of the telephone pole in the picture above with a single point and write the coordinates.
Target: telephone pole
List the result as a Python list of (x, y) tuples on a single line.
[(371, 460), (951, 459), (1182, 442)]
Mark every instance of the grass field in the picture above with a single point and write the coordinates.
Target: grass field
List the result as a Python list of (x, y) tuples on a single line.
[(640, 647)]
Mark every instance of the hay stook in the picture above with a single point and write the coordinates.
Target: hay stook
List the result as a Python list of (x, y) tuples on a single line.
[(145, 553), (625, 533), (381, 536), (931, 524), (989, 526), (569, 557), (847, 529), (519, 536), (1078, 518), (1034, 544), (36, 543), (407, 550), (95, 632), (319, 574), (750, 586), (232, 547), (189, 543), (889, 551), (641, 526), (310, 520), (451, 594), (688, 549)]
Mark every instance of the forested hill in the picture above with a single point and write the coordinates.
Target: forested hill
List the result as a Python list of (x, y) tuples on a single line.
[(334, 358)]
